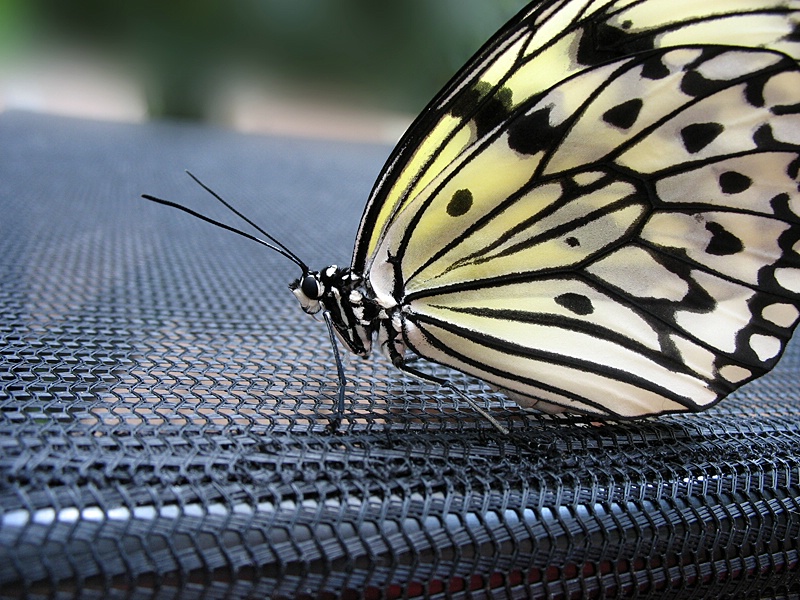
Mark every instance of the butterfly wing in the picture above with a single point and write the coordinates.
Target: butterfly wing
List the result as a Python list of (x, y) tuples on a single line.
[(545, 44), (618, 241)]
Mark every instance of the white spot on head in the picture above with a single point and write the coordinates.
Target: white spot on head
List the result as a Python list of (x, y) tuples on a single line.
[(788, 278), (734, 373), (765, 346), (307, 304), (782, 315)]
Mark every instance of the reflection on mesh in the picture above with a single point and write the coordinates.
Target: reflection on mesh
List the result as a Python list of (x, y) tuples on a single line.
[(164, 409)]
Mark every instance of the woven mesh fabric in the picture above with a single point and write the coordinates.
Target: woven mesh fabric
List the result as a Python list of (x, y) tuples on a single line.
[(164, 407)]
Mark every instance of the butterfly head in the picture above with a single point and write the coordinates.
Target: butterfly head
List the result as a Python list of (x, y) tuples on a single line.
[(337, 291), (309, 290)]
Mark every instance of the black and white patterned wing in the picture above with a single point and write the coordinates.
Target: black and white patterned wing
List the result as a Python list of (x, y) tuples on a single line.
[(625, 243)]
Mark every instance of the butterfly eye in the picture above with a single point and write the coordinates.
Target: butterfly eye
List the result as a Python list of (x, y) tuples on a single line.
[(311, 287)]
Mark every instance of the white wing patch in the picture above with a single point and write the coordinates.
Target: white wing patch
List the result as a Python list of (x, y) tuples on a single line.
[(719, 325), (788, 278), (729, 183), (782, 315), (706, 238), (575, 386)]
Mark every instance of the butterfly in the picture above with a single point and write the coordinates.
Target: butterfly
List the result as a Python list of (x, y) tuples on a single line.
[(600, 213)]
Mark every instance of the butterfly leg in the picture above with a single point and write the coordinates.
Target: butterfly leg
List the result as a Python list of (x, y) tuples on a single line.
[(403, 365), (393, 347), (337, 418)]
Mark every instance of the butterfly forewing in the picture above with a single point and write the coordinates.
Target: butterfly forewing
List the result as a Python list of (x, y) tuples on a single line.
[(543, 46), (621, 236)]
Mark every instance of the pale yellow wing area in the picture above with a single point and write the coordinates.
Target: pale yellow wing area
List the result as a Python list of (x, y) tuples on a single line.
[(545, 45), (523, 202)]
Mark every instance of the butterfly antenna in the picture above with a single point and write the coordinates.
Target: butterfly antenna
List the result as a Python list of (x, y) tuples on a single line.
[(227, 205), (279, 249), (272, 244)]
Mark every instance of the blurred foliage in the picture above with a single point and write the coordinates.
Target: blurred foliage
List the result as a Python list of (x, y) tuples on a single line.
[(396, 54)]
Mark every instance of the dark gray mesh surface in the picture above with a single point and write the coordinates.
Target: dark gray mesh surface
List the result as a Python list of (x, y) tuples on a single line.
[(164, 407)]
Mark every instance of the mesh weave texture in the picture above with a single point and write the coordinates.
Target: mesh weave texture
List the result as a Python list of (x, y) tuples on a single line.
[(164, 406)]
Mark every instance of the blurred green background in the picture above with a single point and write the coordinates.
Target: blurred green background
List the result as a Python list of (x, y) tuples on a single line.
[(184, 54)]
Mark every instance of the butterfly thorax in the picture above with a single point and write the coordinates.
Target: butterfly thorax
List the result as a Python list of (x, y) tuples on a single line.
[(341, 292)]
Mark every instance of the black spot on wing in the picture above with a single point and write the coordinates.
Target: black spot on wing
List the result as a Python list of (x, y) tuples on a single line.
[(723, 242), (697, 136), (697, 300), (624, 115), (794, 36), (754, 88), (765, 138), (786, 109), (654, 68), (601, 43), (572, 242), (576, 303), (694, 84), (460, 203), (731, 182), (533, 132), (754, 92), (484, 106), (782, 208), (794, 168)]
